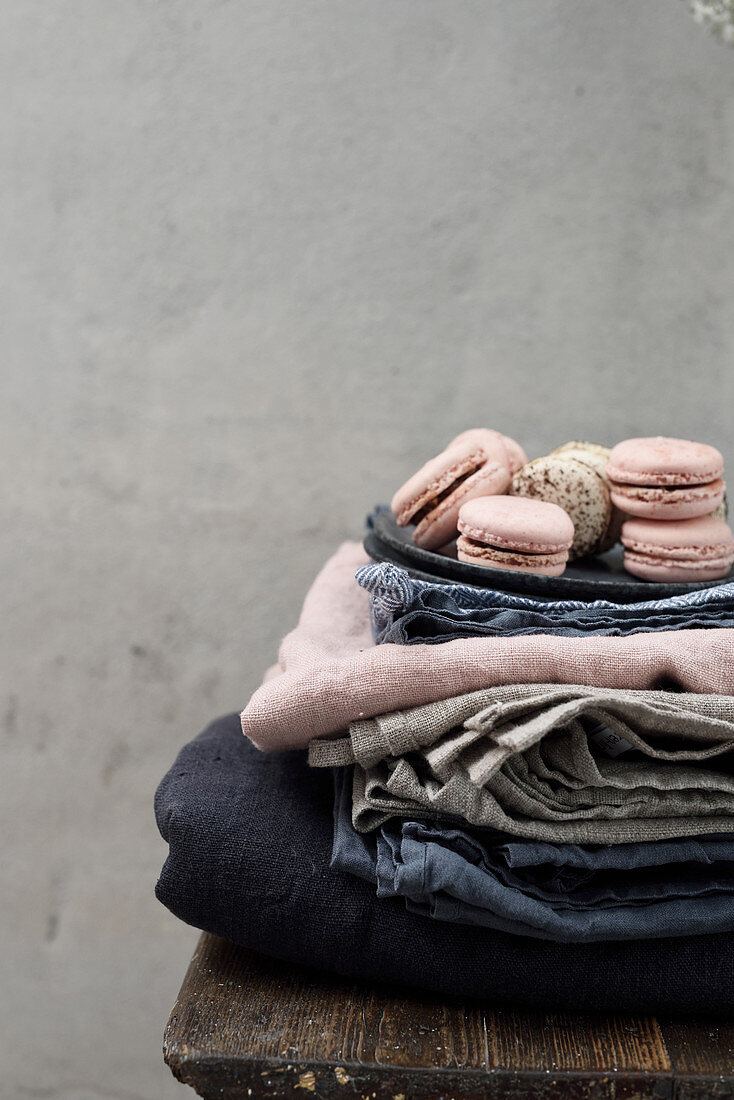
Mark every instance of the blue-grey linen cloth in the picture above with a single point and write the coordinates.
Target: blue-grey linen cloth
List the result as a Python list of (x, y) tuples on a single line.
[(407, 611), (559, 892)]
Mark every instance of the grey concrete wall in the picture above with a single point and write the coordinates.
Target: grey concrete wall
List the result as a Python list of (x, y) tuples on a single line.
[(259, 260)]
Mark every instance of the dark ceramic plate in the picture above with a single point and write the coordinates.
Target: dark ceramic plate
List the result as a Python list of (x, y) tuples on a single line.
[(602, 577)]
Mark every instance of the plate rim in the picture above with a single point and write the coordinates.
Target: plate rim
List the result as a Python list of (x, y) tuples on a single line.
[(627, 589)]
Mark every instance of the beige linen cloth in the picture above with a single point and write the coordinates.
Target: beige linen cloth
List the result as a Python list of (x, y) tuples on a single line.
[(567, 763)]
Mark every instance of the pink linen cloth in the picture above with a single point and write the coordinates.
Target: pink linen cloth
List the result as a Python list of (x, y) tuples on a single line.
[(331, 673)]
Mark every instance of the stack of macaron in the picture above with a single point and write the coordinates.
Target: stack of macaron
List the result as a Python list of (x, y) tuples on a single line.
[(669, 488), (657, 494)]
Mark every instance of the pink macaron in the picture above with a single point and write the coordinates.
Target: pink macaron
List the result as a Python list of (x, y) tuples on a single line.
[(474, 464), (669, 479), (516, 457), (516, 533), (698, 549)]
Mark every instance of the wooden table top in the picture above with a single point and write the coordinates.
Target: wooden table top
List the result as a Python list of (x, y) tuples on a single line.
[(247, 1026)]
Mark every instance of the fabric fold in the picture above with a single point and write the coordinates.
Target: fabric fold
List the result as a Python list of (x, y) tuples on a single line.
[(498, 722), (407, 611), (332, 673), (561, 892), (549, 762), (557, 791)]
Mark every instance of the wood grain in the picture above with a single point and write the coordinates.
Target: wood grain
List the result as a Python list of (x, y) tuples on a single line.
[(247, 1026)]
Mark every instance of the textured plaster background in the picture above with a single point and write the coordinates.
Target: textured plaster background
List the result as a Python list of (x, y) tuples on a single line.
[(259, 261)]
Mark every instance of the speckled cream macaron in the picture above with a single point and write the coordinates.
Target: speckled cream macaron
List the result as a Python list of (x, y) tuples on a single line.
[(593, 454), (576, 487), (695, 549), (515, 533), (596, 455), (473, 464), (663, 478)]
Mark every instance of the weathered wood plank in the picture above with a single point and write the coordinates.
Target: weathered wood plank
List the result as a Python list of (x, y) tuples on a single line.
[(245, 1026), (702, 1056), (539, 1041)]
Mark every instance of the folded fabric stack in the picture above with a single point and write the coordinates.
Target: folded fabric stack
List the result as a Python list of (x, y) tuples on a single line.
[(407, 611), (528, 801)]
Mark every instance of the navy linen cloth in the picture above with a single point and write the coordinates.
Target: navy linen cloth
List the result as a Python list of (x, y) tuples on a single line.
[(560, 892), (250, 840), (409, 611)]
